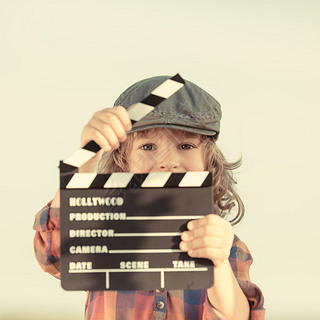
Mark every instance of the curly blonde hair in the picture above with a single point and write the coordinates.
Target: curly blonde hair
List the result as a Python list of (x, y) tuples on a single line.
[(225, 197)]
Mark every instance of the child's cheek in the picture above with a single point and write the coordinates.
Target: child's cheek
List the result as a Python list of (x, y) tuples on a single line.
[(148, 162), (140, 164)]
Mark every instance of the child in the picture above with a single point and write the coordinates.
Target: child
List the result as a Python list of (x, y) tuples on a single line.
[(179, 135)]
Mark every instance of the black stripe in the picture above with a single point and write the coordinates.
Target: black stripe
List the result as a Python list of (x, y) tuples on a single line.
[(174, 180), (92, 146), (137, 180), (177, 78), (67, 168), (153, 100), (65, 179), (99, 181), (208, 182)]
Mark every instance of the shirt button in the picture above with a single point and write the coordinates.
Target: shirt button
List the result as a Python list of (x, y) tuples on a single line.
[(160, 305)]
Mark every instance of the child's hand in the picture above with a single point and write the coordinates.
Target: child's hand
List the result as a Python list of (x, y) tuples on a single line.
[(107, 128), (210, 237)]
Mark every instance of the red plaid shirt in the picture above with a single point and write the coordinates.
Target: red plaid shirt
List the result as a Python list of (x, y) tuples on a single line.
[(145, 305)]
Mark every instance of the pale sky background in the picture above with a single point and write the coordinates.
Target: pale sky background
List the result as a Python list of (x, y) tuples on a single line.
[(60, 61)]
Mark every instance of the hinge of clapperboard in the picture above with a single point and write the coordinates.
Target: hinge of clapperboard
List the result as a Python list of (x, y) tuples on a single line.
[(70, 179)]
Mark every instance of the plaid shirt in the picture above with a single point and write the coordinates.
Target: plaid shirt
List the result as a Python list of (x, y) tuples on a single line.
[(145, 305)]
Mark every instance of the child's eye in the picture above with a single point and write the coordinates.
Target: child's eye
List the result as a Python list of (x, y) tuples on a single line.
[(147, 147), (186, 146)]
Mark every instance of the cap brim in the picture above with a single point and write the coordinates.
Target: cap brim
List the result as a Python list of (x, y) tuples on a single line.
[(177, 127)]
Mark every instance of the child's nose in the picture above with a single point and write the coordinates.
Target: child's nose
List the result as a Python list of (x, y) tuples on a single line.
[(169, 162), (169, 165)]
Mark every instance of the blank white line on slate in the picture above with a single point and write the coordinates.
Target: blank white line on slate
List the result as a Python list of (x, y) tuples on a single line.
[(140, 270), (149, 234), (163, 217), (146, 251)]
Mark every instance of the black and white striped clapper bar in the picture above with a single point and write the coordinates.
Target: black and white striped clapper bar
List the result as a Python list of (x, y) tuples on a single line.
[(121, 231), (136, 113)]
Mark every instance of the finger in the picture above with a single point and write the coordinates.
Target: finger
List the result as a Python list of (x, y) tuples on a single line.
[(112, 129), (90, 133), (208, 219), (204, 242), (207, 230), (213, 254), (114, 118), (123, 116)]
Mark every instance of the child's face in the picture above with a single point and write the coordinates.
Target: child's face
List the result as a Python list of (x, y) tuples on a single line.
[(166, 150)]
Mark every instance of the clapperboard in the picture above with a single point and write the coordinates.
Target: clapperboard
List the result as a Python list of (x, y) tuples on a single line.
[(121, 231)]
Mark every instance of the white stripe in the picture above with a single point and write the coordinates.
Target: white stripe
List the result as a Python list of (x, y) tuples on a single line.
[(149, 234), (167, 88), (118, 180), (139, 110), (193, 178), (163, 217), (80, 157), (146, 251), (156, 179), (81, 181)]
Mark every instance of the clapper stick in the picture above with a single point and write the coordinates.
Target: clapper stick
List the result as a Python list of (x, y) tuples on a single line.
[(136, 112), (121, 231)]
